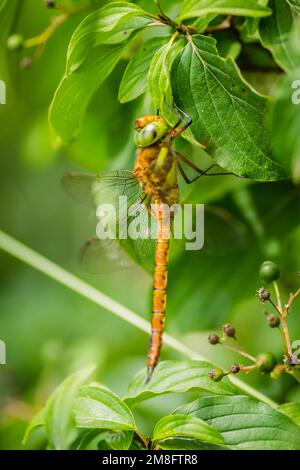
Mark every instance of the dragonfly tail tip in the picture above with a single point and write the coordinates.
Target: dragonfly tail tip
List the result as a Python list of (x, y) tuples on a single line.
[(150, 371)]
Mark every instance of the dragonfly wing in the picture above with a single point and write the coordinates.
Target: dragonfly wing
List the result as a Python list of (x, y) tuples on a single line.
[(94, 189), (103, 256), (130, 217), (79, 187)]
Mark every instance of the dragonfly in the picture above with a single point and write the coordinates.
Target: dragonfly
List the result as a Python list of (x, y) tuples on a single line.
[(152, 187)]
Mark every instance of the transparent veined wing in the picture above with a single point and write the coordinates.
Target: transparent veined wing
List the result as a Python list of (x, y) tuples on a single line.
[(94, 189), (123, 236)]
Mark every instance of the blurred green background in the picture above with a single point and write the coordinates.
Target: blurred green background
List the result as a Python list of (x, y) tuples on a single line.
[(50, 331)]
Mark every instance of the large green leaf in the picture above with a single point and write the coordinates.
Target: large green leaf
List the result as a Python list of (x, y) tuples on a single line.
[(245, 423), (193, 8), (276, 32), (112, 24), (77, 88), (186, 426), (134, 81), (175, 377), (228, 115), (98, 407)]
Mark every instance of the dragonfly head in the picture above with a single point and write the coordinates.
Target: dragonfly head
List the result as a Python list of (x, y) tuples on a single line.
[(148, 130)]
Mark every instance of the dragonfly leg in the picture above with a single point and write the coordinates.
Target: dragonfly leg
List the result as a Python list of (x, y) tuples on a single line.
[(175, 133), (198, 170)]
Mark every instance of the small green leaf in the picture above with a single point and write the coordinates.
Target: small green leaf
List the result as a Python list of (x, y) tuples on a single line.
[(120, 440), (76, 90), (59, 422), (175, 377), (134, 81), (228, 115), (180, 443), (38, 421), (159, 72), (186, 426), (112, 24), (245, 423), (159, 82), (193, 8), (292, 410), (98, 407), (275, 33)]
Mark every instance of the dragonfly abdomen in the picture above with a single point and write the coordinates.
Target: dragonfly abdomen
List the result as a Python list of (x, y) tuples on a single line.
[(159, 300)]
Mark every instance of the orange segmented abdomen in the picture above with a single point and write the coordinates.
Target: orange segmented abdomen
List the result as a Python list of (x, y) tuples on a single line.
[(159, 295)]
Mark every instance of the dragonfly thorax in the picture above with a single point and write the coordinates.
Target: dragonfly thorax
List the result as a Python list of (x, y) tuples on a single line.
[(156, 170)]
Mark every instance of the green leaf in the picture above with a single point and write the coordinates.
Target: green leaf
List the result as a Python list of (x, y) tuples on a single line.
[(134, 81), (186, 426), (76, 90), (179, 443), (112, 24), (38, 421), (285, 124), (59, 421), (292, 410), (120, 440), (159, 81), (98, 407), (175, 377), (250, 27), (228, 115), (245, 423), (295, 4), (159, 72), (275, 33), (193, 8)]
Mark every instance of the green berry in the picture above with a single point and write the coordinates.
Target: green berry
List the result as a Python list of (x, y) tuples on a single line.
[(15, 42), (269, 272), (213, 339), (266, 362), (216, 375)]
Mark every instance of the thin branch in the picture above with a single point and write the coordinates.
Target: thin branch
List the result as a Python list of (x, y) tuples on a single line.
[(283, 315), (52, 270)]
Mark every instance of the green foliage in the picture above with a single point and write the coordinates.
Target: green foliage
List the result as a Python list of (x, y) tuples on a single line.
[(210, 88), (193, 8), (276, 32), (214, 67), (213, 91), (175, 377), (233, 422), (245, 423)]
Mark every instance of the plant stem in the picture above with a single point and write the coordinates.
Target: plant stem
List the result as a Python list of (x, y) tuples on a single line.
[(239, 351), (52, 270), (283, 315)]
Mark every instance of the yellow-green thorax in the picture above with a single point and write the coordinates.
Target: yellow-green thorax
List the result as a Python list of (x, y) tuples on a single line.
[(155, 165)]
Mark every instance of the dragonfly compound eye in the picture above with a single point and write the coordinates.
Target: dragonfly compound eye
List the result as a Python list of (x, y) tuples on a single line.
[(150, 134)]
